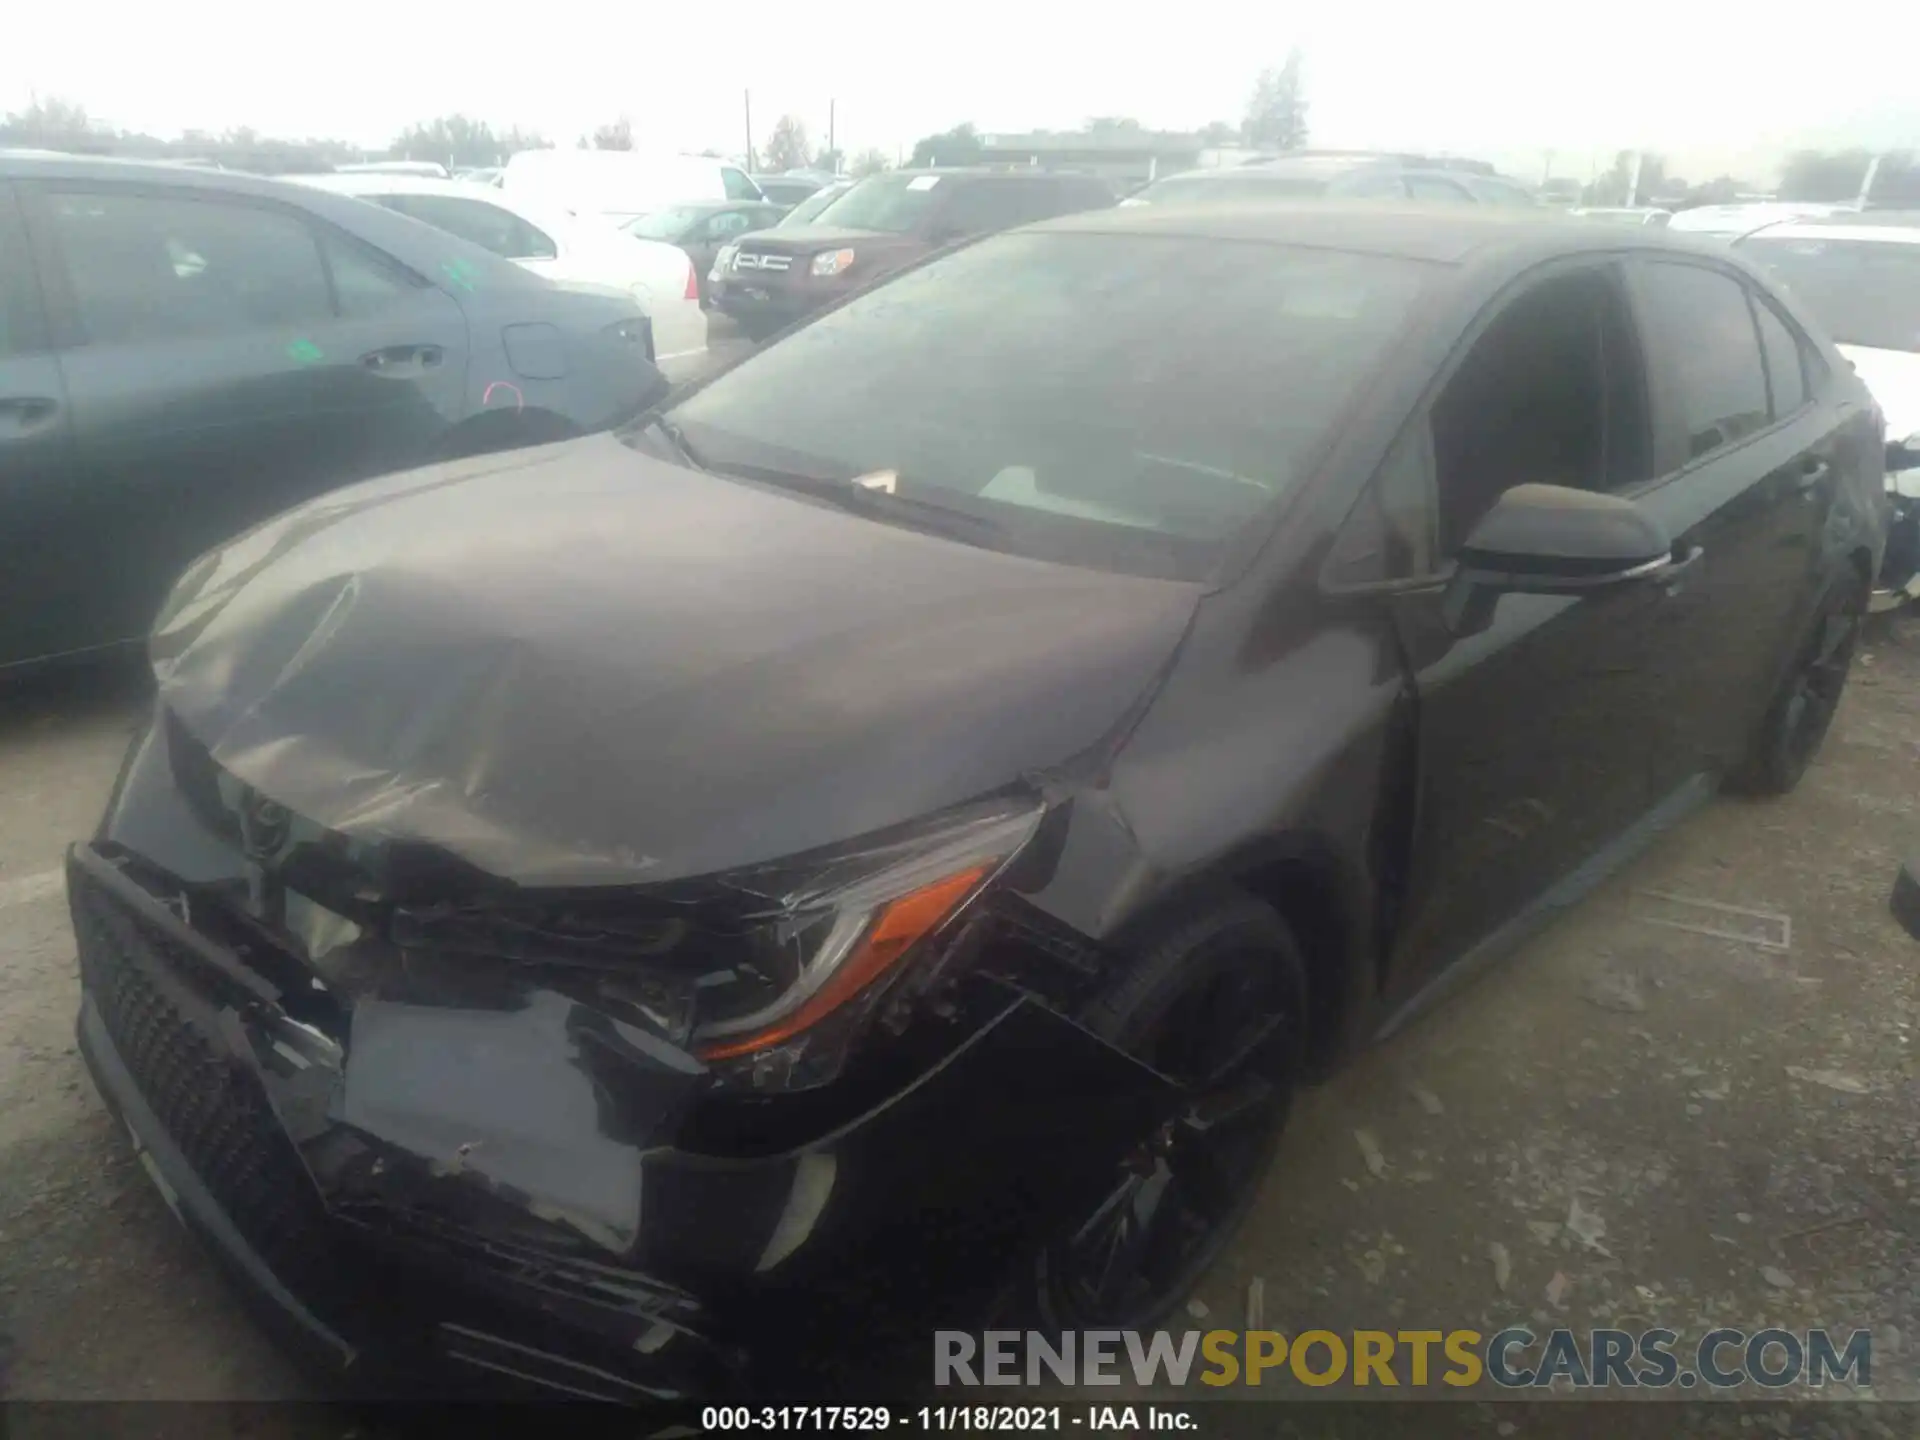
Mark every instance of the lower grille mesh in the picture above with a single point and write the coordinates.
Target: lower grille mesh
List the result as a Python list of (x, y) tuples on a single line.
[(213, 1111)]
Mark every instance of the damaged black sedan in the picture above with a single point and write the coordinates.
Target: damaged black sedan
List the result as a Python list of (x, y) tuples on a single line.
[(878, 843)]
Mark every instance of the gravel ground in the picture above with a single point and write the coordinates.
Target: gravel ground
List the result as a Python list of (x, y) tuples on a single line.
[(1626, 1124)]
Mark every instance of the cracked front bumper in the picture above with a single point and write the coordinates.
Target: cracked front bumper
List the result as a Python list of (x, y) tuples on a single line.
[(393, 1262)]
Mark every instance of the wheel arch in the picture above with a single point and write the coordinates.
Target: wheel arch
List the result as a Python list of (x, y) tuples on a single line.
[(1324, 898)]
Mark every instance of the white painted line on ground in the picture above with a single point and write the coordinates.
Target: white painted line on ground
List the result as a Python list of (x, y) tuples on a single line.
[(29, 888)]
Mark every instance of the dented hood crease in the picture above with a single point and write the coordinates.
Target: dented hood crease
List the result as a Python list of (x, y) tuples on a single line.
[(582, 665)]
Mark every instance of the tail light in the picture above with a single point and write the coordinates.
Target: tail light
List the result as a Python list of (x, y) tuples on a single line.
[(693, 284)]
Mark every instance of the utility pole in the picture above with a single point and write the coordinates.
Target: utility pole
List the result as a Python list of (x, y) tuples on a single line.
[(748, 96), (1866, 182), (832, 149)]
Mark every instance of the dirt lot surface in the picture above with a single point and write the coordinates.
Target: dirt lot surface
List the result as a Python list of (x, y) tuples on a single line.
[(1627, 1123)]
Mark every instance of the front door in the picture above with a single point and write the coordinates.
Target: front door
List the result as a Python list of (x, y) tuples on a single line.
[(1539, 737), (36, 461)]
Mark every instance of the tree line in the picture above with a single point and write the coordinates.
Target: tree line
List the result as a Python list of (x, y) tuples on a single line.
[(1826, 176), (1275, 120)]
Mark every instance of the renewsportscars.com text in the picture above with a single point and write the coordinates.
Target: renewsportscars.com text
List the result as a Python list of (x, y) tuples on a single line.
[(1515, 1358)]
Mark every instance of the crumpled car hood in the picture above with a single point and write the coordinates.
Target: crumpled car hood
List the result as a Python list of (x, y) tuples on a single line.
[(579, 665)]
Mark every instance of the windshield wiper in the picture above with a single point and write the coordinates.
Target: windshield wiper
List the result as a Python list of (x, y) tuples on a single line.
[(872, 501), (677, 438), (875, 504)]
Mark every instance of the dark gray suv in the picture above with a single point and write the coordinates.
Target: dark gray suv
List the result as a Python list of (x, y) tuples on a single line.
[(185, 353)]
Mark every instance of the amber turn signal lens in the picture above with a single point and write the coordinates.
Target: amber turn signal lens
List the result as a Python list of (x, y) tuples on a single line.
[(895, 929)]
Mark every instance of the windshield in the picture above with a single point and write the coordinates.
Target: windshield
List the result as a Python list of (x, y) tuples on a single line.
[(1226, 189), (893, 203), (668, 224), (1127, 402), (1865, 292), (808, 210)]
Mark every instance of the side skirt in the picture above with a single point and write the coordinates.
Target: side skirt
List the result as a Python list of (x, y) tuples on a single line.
[(1570, 888)]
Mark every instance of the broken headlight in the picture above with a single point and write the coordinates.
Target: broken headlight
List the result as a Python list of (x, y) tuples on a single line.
[(767, 973), (838, 931)]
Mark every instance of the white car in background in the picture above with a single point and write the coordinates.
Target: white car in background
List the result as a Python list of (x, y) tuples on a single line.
[(621, 186), (1731, 222), (1862, 283), (549, 241)]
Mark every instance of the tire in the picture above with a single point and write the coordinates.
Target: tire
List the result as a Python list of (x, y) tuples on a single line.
[(1228, 959), (1796, 722)]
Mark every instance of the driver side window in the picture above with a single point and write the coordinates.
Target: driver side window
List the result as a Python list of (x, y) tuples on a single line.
[(1552, 392)]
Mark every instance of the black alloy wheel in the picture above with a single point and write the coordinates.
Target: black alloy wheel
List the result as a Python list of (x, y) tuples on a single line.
[(1797, 722), (1217, 1004)]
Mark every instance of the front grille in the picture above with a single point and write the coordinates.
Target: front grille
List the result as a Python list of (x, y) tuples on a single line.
[(755, 260), (210, 1106)]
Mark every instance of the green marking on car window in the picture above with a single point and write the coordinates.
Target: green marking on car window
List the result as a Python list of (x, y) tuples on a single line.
[(305, 351), (459, 272)]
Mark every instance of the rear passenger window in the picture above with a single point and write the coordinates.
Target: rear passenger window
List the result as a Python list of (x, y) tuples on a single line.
[(479, 223), (1786, 369), (1701, 329), (366, 284), (737, 185), (1432, 187), (149, 267), (982, 206)]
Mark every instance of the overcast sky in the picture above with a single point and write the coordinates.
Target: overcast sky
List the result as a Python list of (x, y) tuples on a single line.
[(1713, 87)]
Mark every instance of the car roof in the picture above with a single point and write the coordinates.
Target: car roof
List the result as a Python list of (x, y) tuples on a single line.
[(59, 165), (699, 205), (1908, 234), (1327, 167), (412, 242), (985, 172), (1447, 234), (390, 182)]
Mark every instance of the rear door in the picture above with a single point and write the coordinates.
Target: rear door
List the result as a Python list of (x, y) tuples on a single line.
[(36, 462), (1745, 462), (223, 357)]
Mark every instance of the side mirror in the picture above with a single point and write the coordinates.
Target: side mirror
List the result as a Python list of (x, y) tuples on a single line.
[(1906, 899), (1553, 540)]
